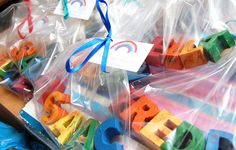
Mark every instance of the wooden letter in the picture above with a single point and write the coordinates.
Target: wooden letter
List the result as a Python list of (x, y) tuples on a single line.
[(140, 112), (65, 127), (159, 128), (192, 56), (52, 106)]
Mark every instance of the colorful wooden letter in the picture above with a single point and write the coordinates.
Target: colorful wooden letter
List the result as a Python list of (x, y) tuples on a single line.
[(216, 43), (35, 69), (155, 57), (159, 128), (105, 134), (192, 56), (172, 59), (4, 66), (26, 49), (66, 126), (17, 54), (219, 140), (3, 57), (52, 106), (26, 62), (140, 112), (56, 85), (185, 137), (85, 134), (13, 75)]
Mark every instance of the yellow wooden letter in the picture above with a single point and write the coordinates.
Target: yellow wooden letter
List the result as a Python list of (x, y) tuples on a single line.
[(156, 131), (65, 127)]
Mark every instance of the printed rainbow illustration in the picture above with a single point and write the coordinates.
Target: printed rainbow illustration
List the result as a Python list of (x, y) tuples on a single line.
[(81, 2), (130, 45)]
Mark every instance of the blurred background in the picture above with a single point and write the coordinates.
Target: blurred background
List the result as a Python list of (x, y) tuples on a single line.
[(5, 3)]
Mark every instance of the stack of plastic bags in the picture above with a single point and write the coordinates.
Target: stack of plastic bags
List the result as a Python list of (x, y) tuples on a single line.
[(147, 75)]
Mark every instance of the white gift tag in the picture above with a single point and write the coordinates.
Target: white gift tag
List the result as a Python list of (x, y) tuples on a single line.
[(124, 54), (81, 9)]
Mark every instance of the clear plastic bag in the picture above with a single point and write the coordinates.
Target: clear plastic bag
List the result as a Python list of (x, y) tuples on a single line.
[(35, 52), (132, 19), (184, 35), (81, 100), (189, 109), (28, 51), (32, 51), (193, 108), (148, 116), (73, 105), (188, 105), (69, 100), (11, 79)]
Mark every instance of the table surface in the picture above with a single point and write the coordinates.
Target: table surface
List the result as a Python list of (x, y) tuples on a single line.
[(11, 102), (3, 2)]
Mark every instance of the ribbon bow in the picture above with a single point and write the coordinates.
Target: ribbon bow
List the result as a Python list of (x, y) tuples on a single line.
[(97, 41)]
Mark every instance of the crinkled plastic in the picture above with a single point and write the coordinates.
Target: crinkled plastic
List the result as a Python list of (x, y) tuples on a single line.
[(131, 19), (11, 78), (72, 106), (188, 109), (37, 51), (81, 99), (50, 35), (179, 29), (80, 29), (22, 52), (194, 108)]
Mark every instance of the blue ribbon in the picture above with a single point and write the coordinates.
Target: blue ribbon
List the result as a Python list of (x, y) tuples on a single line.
[(65, 7), (97, 41)]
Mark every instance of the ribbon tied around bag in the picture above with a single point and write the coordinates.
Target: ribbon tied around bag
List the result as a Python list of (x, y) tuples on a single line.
[(97, 41)]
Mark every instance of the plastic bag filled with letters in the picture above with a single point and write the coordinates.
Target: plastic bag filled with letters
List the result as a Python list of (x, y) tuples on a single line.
[(185, 33), (69, 99), (34, 41), (72, 106), (192, 109), (11, 78)]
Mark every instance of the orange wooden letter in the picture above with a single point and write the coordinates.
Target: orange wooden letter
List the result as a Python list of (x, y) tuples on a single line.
[(172, 59), (26, 49), (52, 106), (192, 56), (140, 112)]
